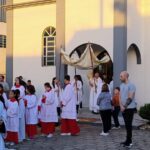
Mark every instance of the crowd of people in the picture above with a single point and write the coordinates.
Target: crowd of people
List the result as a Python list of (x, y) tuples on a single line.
[(109, 102), (21, 111)]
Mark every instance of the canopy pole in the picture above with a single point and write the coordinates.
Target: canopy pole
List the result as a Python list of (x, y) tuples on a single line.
[(92, 66), (75, 70), (60, 64)]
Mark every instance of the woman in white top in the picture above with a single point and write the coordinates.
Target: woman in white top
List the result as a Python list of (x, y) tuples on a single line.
[(18, 86), (58, 93)]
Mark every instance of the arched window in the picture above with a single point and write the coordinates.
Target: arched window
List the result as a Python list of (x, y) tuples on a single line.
[(133, 47), (48, 46)]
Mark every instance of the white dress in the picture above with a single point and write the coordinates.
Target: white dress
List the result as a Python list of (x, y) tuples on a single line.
[(2, 145), (21, 120), (48, 111), (78, 93), (94, 93), (58, 94), (31, 110), (69, 102)]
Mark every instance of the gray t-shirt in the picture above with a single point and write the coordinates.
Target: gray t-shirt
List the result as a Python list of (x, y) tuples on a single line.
[(125, 89)]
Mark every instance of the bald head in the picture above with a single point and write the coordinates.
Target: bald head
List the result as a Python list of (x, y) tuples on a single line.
[(124, 75)]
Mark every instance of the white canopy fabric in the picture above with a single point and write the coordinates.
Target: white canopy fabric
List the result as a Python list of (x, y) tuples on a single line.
[(88, 60)]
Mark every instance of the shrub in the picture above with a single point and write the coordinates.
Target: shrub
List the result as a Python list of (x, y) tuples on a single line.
[(145, 112)]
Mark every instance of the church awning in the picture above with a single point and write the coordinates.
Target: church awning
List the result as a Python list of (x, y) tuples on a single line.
[(87, 60)]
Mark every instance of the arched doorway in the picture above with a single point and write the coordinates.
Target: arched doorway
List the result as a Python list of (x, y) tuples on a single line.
[(106, 70)]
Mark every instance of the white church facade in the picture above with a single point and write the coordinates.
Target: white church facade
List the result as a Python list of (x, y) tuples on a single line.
[(37, 29)]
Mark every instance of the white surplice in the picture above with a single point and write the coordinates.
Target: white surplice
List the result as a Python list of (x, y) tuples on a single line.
[(12, 116), (69, 103), (21, 120), (48, 111), (31, 110), (78, 89), (94, 93)]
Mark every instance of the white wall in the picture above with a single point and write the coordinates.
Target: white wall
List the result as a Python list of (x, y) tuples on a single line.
[(29, 24), (88, 21), (139, 33)]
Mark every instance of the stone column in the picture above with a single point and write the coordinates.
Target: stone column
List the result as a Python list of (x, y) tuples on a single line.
[(120, 39), (61, 69)]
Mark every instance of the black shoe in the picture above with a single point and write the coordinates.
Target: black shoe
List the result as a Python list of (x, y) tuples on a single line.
[(128, 145)]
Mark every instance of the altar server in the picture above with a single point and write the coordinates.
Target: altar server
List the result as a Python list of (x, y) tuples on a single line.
[(48, 111), (69, 125), (12, 119), (31, 112)]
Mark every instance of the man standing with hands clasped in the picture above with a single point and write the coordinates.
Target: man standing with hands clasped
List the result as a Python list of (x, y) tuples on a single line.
[(127, 105)]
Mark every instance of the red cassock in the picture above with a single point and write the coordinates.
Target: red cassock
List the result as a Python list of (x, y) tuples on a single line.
[(47, 127), (69, 126)]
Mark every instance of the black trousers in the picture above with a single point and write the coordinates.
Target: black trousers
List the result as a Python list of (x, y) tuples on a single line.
[(77, 108), (115, 114), (128, 119), (59, 111), (106, 119)]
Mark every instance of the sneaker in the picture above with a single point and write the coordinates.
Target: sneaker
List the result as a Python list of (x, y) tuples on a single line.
[(63, 134), (50, 135), (115, 128), (128, 145), (7, 143), (104, 134), (12, 144)]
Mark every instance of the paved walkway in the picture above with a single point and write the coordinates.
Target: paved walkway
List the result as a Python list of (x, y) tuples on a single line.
[(86, 116), (88, 139)]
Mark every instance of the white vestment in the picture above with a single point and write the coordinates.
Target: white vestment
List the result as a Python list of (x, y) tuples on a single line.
[(13, 116), (78, 90), (31, 110), (94, 93), (48, 111), (69, 103), (21, 120)]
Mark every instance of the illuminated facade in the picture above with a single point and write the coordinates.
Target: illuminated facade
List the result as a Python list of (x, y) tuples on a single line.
[(36, 30)]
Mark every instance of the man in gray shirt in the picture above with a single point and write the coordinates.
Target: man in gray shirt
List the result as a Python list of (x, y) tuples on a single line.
[(4, 83), (127, 105)]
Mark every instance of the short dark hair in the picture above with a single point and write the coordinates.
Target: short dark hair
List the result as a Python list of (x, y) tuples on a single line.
[(29, 81), (117, 88), (31, 89), (2, 76), (105, 88), (67, 77), (47, 84)]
